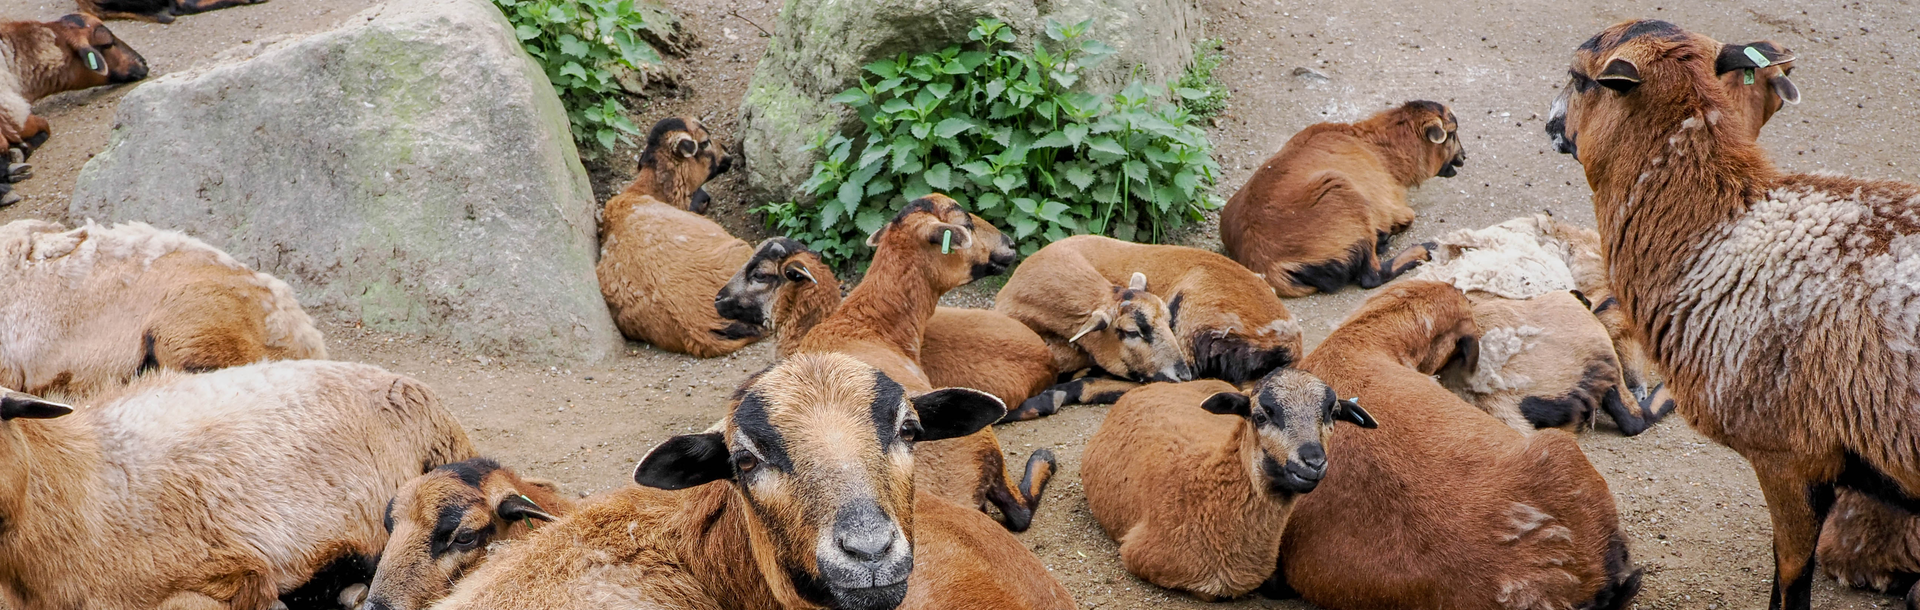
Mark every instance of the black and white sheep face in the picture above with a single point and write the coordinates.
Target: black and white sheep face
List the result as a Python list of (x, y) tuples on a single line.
[(1132, 336), (820, 450), (748, 296), (439, 527), (15, 461), (1292, 415)]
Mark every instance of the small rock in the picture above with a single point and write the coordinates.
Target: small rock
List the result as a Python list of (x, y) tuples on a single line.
[(1307, 73)]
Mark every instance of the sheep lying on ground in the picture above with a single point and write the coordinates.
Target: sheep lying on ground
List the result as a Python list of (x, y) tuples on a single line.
[(1316, 216), (91, 307), (788, 288), (1547, 362), (444, 524), (661, 264), (1867, 544), (1088, 320), (217, 490), (1198, 501), (1775, 302), (804, 498), (158, 11), (40, 59), (1443, 506)]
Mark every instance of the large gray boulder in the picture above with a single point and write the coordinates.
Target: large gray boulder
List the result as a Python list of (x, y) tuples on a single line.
[(412, 170), (818, 49)]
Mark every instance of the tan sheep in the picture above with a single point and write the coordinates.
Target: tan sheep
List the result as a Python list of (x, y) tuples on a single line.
[(445, 523), (216, 490), (91, 307), (1196, 480), (1547, 362), (660, 264)]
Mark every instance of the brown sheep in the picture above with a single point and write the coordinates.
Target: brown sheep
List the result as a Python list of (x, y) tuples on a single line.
[(932, 246), (216, 490), (157, 11), (1867, 544), (38, 59), (1755, 93), (90, 308), (1316, 216), (1090, 321), (1443, 506), (1775, 302), (1547, 362), (1225, 323), (660, 263), (812, 504), (1198, 501), (443, 525)]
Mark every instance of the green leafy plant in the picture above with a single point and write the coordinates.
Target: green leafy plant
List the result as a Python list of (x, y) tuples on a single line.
[(584, 45), (1200, 92), (1004, 132)]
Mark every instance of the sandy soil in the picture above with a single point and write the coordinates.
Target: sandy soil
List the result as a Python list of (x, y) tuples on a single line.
[(1692, 508)]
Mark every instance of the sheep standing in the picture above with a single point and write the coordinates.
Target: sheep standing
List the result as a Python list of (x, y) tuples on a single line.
[(1775, 302), (221, 489), (804, 497), (660, 263), (1443, 506), (445, 523), (38, 59), (1316, 215), (1196, 480), (91, 307)]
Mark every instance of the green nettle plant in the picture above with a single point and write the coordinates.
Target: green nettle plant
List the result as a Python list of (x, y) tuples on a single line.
[(1200, 92), (1004, 133), (583, 44)]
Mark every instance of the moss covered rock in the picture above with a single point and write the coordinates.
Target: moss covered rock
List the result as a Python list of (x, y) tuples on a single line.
[(818, 50), (412, 171)]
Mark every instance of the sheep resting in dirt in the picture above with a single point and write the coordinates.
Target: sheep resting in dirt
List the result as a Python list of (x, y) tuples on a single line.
[(445, 523), (38, 59)]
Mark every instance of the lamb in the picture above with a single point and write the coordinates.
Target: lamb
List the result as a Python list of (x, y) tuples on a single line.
[(814, 506), (787, 287), (656, 220), (38, 59), (1784, 327), (91, 307), (1547, 362), (932, 246), (445, 523), (1316, 216), (1197, 501), (1443, 506), (157, 11), (1230, 327), (213, 490)]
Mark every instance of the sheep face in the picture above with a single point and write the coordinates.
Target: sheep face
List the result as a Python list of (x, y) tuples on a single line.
[(820, 450), (682, 157), (1618, 80), (1439, 137), (1757, 92), (959, 247), (1132, 336), (94, 55), (440, 525), (1291, 413), (15, 459), (749, 295)]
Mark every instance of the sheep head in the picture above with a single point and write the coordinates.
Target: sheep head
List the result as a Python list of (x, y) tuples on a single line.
[(952, 246), (94, 56), (441, 523), (1756, 76), (1131, 335), (679, 158), (1290, 414)]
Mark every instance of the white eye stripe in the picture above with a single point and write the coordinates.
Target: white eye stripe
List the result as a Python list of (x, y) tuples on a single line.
[(740, 438)]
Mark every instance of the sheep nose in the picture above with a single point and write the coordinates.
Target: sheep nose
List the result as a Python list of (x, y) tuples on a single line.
[(1314, 456), (864, 534)]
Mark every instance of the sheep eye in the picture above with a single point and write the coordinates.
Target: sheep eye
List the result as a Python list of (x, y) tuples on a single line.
[(744, 461), (467, 539), (1260, 418), (910, 431)]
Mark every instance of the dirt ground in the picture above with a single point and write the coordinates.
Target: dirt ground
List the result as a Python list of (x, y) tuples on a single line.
[(1695, 515)]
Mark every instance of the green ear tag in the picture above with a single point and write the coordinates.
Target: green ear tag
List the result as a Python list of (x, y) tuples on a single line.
[(1746, 76), (1759, 59), (946, 242), (93, 61)]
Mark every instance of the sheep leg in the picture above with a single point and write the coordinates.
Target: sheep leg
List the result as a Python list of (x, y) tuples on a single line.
[(189, 7), (1798, 506), (32, 135), (1634, 421), (1084, 390), (1407, 259)]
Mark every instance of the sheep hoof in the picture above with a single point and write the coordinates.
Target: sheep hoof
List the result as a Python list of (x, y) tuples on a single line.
[(18, 172), (353, 596), (277, 605), (8, 198), (17, 154)]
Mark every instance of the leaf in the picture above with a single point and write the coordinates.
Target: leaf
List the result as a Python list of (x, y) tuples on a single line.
[(896, 106), (1054, 139), (1051, 210), (1136, 171), (940, 177), (605, 136), (1075, 133), (573, 69), (1186, 181), (1004, 35), (972, 59), (572, 45), (852, 97), (954, 66), (977, 168), (879, 187), (885, 68), (1106, 145), (869, 221), (1007, 182), (851, 193), (952, 127), (939, 90), (1024, 204), (526, 32), (1054, 30), (1023, 225), (1066, 79), (1189, 93), (988, 202), (1079, 176), (995, 88), (888, 85), (920, 130)]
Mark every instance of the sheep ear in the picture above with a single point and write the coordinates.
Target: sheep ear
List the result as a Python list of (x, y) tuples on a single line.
[(15, 405), (1229, 403), (873, 239), (1783, 87), (1436, 133), (93, 60), (797, 272), (1096, 321), (949, 237), (1349, 411), (1467, 350), (517, 507), (956, 412), (685, 461), (684, 144), (1583, 299), (1619, 75), (1137, 282)]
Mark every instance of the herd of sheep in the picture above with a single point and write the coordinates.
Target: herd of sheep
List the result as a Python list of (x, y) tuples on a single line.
[(1422, 456)]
